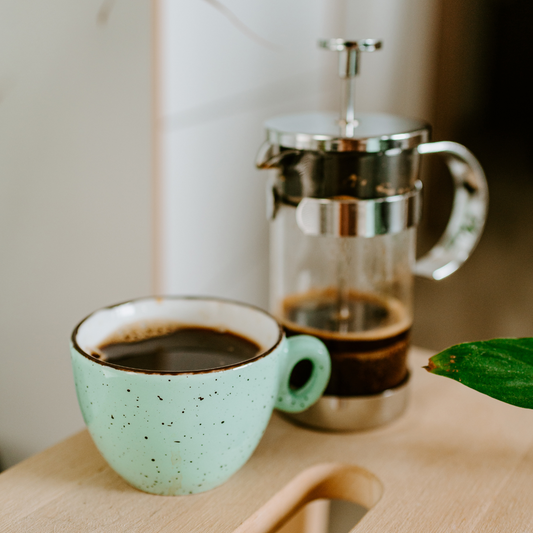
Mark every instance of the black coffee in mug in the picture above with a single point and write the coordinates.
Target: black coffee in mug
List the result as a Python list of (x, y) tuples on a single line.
[(176, 348)]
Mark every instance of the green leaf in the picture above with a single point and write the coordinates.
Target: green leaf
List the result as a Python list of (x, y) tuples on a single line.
[(500, 368)]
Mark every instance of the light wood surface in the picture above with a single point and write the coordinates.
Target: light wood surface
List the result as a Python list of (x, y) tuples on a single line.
[(456, 461)]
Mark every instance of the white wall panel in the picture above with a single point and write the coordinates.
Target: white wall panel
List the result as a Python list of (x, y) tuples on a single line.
[(207, 57), (216, 208), (220, 84)]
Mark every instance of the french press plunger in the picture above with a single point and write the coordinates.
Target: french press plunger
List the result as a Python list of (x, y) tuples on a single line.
[(344, 205)]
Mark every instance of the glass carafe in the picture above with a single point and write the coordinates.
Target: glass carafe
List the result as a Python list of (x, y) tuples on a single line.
[(345, 200)]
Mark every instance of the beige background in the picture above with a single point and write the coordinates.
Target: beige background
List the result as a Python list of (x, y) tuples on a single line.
[(75, 190)]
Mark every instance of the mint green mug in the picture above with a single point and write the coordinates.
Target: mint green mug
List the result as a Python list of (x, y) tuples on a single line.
[(175, 433)]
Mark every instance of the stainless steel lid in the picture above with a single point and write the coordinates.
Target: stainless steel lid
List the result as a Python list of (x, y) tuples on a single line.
[(371, 132), (347, 132), (357, 155)]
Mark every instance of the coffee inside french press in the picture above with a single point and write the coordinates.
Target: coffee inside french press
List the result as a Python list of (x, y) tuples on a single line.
[(344, 205)]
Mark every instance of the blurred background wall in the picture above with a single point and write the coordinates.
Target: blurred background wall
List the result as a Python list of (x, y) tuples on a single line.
[(482, 98), (87, 218), (75, 195)]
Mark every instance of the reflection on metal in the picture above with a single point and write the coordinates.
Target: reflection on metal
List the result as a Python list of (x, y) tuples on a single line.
[(375, 133), (350, 217), (355, 413)]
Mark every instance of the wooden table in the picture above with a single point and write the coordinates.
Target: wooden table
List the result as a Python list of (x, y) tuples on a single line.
[(456, 461)]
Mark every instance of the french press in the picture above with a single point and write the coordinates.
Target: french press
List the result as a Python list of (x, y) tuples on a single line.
[(344, 203)]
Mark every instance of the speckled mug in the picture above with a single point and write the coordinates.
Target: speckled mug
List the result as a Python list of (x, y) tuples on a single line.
[(176, 433)]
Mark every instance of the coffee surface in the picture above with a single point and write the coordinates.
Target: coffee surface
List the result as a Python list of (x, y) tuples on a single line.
[(367, 338), (178, 349)]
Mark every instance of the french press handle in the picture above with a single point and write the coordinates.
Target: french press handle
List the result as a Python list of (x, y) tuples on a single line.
[(469, 211)]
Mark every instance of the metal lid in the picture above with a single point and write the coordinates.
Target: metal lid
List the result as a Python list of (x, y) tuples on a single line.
[(347, 132), (372, 132)]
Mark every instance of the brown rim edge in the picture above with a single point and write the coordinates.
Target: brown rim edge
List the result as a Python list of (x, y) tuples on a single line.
[(261, 355)]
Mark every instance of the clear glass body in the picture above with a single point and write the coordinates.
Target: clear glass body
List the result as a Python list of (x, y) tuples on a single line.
[(354, 293)]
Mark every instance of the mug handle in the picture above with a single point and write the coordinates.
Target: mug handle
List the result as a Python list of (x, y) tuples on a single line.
[(300, 348), (468, 216)]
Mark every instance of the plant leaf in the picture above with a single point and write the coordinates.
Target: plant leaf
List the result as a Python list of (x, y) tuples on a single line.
[(500, 368)]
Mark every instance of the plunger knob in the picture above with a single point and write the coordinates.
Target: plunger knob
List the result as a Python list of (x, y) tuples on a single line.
[(349, 68)]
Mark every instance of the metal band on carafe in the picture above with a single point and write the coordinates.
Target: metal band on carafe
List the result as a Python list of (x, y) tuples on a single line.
[(359, 218)]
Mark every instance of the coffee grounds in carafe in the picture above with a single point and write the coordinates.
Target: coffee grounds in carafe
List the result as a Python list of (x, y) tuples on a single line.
[(368, 345)]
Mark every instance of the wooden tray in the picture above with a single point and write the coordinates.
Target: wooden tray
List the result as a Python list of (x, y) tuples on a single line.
[(455, 461)]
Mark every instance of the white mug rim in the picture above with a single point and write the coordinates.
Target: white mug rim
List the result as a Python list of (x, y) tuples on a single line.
[(103, 362)]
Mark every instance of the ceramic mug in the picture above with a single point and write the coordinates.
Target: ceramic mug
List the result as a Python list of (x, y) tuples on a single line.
[(175, 433)]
